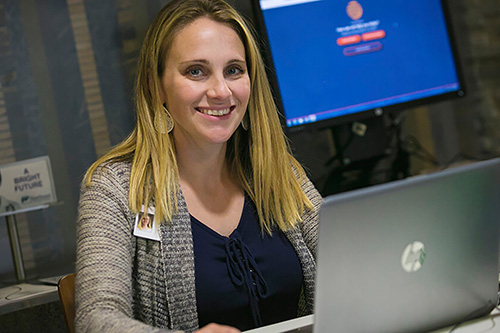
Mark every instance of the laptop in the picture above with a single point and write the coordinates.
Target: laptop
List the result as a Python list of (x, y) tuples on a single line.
[(413, 255), (410, 256)]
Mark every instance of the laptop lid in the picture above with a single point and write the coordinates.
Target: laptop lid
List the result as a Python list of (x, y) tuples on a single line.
[(411, 255)]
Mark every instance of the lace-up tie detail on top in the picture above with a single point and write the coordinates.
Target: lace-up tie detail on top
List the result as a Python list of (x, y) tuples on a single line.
[(243, 271), (248, 279)]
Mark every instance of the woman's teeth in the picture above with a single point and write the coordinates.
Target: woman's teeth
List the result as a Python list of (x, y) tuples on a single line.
[(215, 112)]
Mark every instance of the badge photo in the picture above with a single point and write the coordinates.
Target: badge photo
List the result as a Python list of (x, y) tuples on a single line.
[(145, 225)]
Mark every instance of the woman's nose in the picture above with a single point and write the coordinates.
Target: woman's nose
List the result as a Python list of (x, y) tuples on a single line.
[(218, 88)]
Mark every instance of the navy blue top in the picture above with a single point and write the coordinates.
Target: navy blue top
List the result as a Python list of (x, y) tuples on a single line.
[(248, 279)]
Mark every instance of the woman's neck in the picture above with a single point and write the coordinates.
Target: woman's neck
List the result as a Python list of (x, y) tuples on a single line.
[(211, 191), (203, 167)]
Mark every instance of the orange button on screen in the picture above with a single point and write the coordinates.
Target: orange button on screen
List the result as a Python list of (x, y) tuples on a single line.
[(348, 40), (378, 34)]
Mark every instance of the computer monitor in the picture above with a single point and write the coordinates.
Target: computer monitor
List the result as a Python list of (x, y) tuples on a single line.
[(337, 61)]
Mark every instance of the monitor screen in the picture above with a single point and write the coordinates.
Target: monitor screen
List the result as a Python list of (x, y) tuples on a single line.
[(335, 60)]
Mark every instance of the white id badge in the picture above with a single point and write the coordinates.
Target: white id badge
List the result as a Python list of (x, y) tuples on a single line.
[(145, 226)]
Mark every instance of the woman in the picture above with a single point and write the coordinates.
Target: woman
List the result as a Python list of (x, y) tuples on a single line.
[(235, 218)]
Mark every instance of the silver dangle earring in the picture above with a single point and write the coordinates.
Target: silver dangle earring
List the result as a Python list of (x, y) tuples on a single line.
[(166, 125), (245, 123)]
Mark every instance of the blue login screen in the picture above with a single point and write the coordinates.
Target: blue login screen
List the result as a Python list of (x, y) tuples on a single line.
[(338, 57)]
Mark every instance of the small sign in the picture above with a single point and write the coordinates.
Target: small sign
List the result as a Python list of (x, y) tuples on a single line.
[(26, 185)]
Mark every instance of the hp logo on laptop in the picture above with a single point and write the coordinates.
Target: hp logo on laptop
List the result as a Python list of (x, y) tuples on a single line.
[(413, 257)]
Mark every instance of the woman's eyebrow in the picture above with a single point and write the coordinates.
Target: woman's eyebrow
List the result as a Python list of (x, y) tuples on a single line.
[(204, 61), (236, 60), (195, 60)]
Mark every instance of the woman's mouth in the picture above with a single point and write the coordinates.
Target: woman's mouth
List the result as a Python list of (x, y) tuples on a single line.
[(216, 112)]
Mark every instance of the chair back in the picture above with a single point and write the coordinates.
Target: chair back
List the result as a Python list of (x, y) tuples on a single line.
[(66, 288)]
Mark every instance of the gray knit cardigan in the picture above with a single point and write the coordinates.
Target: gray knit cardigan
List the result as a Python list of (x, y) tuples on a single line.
[(130, 284)]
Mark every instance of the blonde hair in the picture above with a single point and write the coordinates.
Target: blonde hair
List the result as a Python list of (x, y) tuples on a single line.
[(259, 157)]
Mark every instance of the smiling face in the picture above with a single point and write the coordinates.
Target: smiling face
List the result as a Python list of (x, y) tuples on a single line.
[(205, 84)]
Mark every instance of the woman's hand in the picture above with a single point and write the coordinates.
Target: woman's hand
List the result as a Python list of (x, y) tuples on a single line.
[(216, 328)]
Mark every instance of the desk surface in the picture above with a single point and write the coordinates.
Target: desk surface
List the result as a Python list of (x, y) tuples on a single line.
[(24, 295), (486, 324), (285, 325)]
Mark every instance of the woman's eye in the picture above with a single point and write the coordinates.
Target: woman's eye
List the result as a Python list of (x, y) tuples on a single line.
[(234, 71), (194, 72)]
